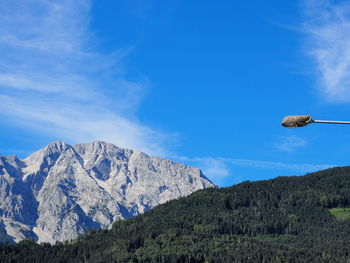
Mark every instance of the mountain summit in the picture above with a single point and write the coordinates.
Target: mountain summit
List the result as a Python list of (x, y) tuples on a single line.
[(61, 191)]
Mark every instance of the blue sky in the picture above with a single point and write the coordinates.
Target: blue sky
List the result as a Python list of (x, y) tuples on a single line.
[(199, 82)]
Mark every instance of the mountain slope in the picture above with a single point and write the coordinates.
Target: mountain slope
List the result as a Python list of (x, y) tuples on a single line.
[(287, 219), (61, 191)]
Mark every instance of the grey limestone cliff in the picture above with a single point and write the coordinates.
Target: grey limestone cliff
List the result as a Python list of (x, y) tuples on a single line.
[(61, 191)]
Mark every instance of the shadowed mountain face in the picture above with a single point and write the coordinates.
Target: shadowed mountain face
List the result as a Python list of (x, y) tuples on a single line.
[(61, 191)]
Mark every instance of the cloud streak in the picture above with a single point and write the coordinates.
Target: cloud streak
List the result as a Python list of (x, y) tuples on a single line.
[(328, 43), (299, 168), (290, 143), (222, 170), (53, 81)]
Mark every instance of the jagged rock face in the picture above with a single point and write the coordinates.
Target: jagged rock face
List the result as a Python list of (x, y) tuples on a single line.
[(61, 191)]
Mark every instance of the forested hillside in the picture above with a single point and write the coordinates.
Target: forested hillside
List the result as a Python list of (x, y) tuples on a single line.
[(287, 219)]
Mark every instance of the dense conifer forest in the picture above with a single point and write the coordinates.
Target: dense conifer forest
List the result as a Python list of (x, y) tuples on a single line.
[(287, 219)]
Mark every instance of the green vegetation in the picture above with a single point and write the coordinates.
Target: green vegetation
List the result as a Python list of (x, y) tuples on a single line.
[(287, 219), (341, 213)]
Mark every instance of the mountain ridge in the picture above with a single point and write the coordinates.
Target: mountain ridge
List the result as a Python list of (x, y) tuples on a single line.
[(61, 191)]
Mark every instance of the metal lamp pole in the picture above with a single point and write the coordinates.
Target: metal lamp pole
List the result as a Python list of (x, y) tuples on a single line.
[(303, 120)]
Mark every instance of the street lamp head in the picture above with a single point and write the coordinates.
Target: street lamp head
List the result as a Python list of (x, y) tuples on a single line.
[(297, 121)]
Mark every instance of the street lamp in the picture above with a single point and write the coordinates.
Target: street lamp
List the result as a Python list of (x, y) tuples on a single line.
[(303, 120)]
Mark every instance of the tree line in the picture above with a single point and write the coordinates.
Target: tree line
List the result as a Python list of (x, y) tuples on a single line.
[(286, 219)]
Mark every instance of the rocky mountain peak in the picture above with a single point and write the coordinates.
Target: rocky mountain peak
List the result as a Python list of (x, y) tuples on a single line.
[(100, 148), (61, 191), (52, 149)]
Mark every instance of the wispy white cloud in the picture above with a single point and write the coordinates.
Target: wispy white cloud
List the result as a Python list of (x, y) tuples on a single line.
[(298, 168), (221, 170), (53, 80), (290, 143), (216, 169), (327, 26)]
